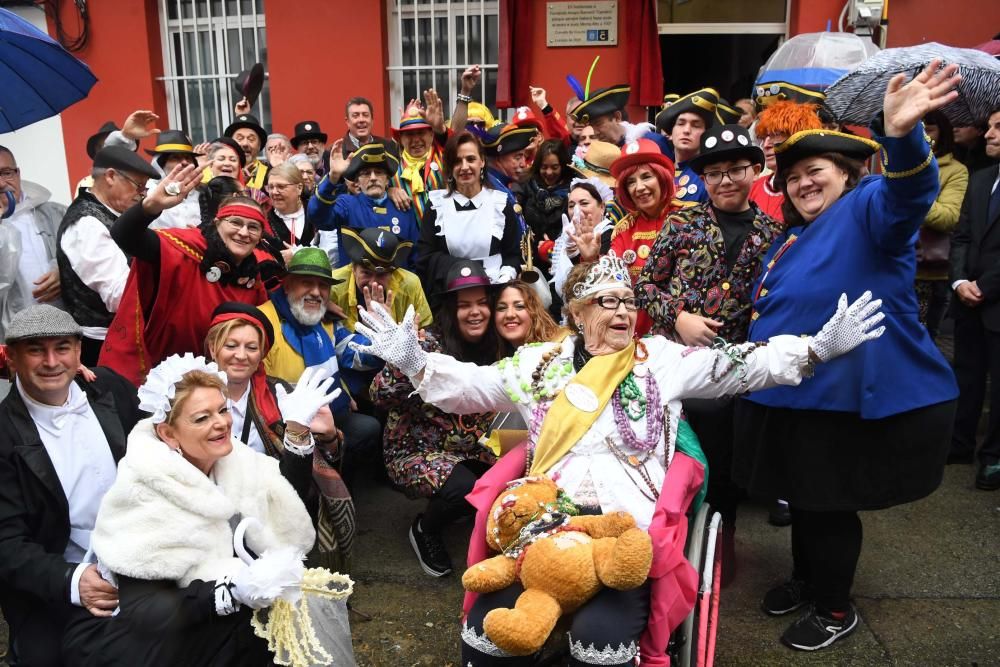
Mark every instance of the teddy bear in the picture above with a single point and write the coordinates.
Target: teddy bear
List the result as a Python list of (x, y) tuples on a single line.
[(561, 560)]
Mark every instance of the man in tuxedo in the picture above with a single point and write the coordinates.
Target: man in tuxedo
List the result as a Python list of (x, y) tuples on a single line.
[(61, 438), (975, 277)]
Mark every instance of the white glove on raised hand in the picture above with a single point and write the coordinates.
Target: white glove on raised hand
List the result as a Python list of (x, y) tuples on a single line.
[(505, 275), (276, 574), (396, 343), (311, 393), (849, 327)]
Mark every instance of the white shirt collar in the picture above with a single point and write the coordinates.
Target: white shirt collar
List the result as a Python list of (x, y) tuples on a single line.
[(44, 415), (478, 200)]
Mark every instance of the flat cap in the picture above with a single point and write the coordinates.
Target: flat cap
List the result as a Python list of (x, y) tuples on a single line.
[(122, 159), (42, 321)]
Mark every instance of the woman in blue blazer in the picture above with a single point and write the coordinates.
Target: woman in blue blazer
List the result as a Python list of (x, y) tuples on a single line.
[(872, 428)]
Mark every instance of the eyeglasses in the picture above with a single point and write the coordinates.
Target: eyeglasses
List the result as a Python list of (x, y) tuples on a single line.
[(140, 188), (609, 302), (310, 142), (236, 225), (737, 173), (8, 174), (279, 187)]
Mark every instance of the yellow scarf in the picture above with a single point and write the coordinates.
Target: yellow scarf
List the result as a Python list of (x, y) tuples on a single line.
[(413, 168), (566, 423)]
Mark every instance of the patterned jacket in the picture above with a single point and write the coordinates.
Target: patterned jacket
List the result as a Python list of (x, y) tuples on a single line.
[(687, 270)]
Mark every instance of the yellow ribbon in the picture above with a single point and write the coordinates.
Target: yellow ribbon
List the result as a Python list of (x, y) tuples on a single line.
[(566, 423), (413, 171)]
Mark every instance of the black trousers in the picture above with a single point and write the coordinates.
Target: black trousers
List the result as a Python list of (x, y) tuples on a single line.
[(712, 422), (977, 355), (36, 632), (605, 631), (450, 505), (825, 551)]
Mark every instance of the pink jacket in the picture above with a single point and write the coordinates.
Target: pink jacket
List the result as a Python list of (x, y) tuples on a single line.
[(674, 583)]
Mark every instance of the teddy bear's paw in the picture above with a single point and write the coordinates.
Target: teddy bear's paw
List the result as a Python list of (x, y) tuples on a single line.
[(524, 629)]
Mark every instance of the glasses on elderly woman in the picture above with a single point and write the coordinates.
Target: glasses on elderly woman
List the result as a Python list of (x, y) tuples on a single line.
[(609, 302), (236, 225)]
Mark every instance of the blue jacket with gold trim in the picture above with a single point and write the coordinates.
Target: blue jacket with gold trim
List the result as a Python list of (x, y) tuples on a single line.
[(864, 241)]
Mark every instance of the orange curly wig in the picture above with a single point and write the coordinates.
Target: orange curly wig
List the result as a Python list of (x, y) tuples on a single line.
[(787, 117)]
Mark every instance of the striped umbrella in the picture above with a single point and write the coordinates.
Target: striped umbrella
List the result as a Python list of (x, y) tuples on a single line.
[(856, 98)]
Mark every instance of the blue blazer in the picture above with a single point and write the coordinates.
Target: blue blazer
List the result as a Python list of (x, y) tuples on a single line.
[(331, 208), (864, 241)]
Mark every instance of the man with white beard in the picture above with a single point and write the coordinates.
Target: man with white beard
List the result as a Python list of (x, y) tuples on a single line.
[(305, 336)]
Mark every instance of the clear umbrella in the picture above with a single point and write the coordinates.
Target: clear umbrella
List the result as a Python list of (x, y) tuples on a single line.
[(816, 59), (857, 97)]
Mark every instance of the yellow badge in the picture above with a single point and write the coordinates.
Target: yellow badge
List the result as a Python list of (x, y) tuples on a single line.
[(644, 251), (381, 210), (684, 180), (517, 209), (725, 286)]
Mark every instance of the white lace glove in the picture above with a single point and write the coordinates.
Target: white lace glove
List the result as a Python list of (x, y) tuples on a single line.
[(396, 343), (276, 574), (311, 393), (849, 327), (506, 274)]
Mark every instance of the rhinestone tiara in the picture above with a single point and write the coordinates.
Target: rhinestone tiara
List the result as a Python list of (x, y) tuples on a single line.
[(608, 272)]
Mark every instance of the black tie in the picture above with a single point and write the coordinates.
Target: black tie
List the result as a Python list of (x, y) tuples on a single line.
[(465, 207)]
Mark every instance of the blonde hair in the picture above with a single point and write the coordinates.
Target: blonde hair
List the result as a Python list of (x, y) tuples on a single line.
[(191, 381), (287, 171), (219, 334)]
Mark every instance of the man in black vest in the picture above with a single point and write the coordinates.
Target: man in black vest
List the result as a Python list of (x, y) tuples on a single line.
[(975, 277), (92, 268), (60, 442)]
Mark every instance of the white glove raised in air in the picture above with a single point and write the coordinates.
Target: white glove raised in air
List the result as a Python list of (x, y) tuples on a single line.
[(849, 327), (396, 343), (311, 393)]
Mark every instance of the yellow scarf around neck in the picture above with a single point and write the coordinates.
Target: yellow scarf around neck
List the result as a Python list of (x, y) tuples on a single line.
[(566, 423), (413, 168)]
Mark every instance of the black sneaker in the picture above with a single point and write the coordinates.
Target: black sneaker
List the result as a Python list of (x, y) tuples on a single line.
[(815, 630), (779, 515), (430, 550), (785, 598)]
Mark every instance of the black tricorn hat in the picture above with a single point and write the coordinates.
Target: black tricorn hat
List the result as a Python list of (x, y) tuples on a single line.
[(376, 249), (727, 113), (505, 139), (100, 136), (601, 102), (816, 142), (250, 82), (701, 102), (371, 155), (774, 91), (245, 120), (307, 129), (720, 143), (120, 158)]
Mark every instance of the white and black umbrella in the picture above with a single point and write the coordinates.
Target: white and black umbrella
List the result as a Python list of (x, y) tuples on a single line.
[(856, 97)]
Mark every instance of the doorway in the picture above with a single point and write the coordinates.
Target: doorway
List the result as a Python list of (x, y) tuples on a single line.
[(726, 62)]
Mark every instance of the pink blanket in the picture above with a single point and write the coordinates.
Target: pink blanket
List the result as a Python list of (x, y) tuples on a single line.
[(674, 583)]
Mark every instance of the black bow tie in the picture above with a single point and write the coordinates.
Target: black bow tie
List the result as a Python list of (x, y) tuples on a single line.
[(470, 206)]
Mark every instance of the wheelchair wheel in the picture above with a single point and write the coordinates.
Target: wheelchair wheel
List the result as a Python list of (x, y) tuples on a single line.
[(695, 638)]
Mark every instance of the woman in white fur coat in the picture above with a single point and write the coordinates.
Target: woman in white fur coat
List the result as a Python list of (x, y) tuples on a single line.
[(165, 530)]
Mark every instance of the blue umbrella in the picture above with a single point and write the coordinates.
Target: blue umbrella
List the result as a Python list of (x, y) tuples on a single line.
[(38, 77)]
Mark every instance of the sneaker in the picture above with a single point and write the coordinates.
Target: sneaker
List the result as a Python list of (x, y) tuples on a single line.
[(988, 477), (816, 630), (785, 598), (779, 515), (430, 550)]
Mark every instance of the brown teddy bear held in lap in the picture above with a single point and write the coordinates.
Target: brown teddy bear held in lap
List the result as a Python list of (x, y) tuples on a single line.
[(561, 560)]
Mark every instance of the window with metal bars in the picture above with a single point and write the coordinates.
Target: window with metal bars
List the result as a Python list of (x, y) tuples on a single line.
[(431, 42), (206, 44)]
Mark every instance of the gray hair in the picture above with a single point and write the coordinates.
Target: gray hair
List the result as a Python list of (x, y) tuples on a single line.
[(281, 137), (299, 157)]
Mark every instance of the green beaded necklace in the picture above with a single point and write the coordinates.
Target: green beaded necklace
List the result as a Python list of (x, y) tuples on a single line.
[(632, 400)]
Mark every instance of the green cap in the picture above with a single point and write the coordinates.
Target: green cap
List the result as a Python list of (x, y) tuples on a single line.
[(312, 262)]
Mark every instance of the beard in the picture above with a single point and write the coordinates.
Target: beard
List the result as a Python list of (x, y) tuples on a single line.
[(303, 316), (316, 159)]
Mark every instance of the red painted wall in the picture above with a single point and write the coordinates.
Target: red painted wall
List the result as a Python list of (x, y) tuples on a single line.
[(322, 53), (125, 54)]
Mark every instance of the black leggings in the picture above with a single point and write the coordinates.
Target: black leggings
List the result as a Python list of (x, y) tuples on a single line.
[(605, 631), (449, 505), (825, 551)]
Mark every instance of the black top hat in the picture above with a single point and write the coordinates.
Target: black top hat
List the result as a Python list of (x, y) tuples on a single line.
[(120, 158), (601, 102), (100, 136), (726, 142), (768, 93), (229, 141), (465, 273), (250, 82), (371, 155), (726, 113), (504, 139), (171, 141), (307, 129), (816, 142), (701, 102), (374, 248), (245, 120)]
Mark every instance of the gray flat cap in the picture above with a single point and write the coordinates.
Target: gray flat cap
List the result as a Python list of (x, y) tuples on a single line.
[(42, 321)]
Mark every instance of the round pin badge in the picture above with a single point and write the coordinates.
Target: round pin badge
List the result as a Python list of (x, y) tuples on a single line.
[(633, 147), (727, 135), (213, 275), (434, 166), (396, 229), (743, 141), (684, 180), (644, 251), (692, 189), (581, 397), (775, 89), (710, 142), (465, 272), (308, 127), (629, 256)]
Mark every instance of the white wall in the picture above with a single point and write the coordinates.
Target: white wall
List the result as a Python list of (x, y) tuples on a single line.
[(39, 147)]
